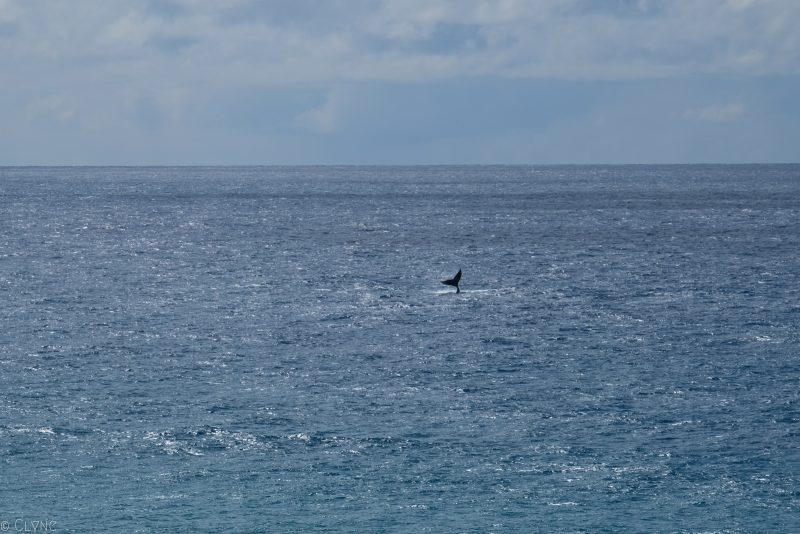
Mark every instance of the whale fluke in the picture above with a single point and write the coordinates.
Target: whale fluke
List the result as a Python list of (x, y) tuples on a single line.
[(454, 281)]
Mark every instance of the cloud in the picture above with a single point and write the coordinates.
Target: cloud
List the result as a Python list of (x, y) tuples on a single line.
[(325, 117), (53, 107), (282, 42), (717, 112), (303, 79)]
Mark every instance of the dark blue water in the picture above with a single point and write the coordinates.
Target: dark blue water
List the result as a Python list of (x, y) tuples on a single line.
[(270, 349)]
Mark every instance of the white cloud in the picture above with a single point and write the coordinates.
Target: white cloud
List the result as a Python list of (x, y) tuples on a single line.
[(324, 118), (9, 11), (205, 41), (717, 112), (53, 107), (165, 73)]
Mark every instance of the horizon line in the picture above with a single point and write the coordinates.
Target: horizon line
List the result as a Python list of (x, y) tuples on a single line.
[(250, 165)]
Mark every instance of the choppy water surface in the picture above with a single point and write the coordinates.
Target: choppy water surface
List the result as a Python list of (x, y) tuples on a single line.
[(270, 349)]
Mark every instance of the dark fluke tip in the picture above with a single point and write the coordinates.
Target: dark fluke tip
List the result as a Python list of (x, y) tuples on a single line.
[(454, 281)]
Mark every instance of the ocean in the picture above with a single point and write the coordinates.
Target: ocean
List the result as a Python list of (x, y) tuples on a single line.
[(270, 349)]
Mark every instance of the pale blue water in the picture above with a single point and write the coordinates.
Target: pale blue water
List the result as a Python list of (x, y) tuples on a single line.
[(270, 349)]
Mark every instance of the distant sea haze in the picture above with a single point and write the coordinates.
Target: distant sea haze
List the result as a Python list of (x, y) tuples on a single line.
[(271, 349)]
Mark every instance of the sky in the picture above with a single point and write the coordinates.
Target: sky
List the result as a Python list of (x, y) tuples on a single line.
[(287, 82)]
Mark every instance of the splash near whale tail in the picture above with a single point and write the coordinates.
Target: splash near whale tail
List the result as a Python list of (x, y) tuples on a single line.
[(454, 281)]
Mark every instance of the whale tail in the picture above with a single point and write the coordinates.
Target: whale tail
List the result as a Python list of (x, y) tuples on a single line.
[(454, 281)]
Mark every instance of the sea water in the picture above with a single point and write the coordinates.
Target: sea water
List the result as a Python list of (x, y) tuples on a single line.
[(259, 349)]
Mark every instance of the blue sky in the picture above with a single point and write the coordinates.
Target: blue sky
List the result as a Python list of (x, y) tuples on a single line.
[(398, 81)]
